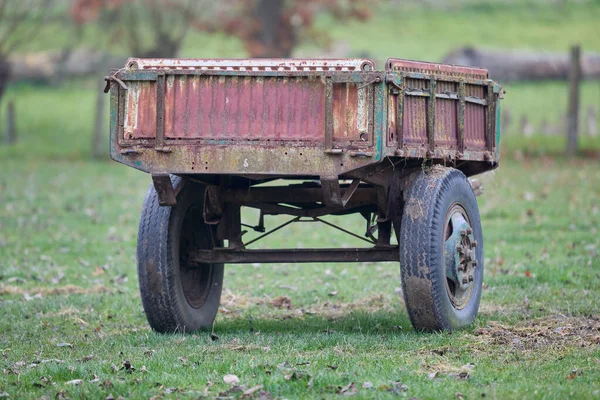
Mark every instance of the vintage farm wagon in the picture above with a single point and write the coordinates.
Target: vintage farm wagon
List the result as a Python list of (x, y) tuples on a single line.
[(395, 145)]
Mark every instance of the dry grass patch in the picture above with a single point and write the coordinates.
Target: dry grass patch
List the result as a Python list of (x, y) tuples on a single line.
[(555, 332)]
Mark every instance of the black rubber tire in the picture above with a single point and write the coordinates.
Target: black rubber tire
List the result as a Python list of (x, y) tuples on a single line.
[(175, 298), (426, 202)]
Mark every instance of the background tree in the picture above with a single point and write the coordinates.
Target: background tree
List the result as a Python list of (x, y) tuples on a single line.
[(268, 28), (20, 21)]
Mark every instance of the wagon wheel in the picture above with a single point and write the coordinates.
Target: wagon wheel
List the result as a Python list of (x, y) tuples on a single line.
[(441, 250), (177, 296)]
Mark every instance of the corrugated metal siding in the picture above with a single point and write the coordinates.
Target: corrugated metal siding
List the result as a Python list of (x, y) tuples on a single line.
[(474, 119), (446, 116), (415, 114), (350, 110), (396, 64), (248, 108), (213, 107), (140, 110)]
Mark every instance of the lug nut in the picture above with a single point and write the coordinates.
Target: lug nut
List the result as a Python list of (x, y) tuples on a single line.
[(474, 243), (474, 263), (469, 231), (463, 232), (465, 280), (459, 248), (470, 278)]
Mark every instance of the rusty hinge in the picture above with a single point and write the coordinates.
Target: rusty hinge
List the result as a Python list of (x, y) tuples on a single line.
[(394, 80), (113, 78), (333, 151)]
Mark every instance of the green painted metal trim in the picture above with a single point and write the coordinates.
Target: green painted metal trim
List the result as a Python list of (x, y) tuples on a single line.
[(498, 129)]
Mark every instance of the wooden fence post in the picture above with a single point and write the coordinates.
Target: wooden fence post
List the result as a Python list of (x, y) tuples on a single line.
[(573, 112), (100, 139), (11, 130)]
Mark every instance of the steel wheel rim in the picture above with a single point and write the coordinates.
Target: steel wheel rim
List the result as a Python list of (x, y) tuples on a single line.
[(195, 281), (459, 256)]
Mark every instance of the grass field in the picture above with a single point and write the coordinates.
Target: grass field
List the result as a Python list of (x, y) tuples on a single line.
[(71, 318), (71, 310)]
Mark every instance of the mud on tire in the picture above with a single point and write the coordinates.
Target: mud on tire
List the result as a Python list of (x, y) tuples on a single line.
[(176, 297), (441, 250)]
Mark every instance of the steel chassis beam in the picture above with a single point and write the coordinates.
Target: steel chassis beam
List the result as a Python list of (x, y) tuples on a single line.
[(229, 256)]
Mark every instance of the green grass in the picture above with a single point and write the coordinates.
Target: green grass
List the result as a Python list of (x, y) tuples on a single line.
[(67, 275), (421, 33), (68, 231)]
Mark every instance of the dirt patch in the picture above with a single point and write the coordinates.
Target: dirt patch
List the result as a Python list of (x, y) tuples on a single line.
[(555, 332), (232, 304), (414, 208), (436, 171), (486, 308)]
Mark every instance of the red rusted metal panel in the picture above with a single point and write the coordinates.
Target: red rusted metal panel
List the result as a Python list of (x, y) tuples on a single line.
[(247, 108), (415, 113), (350, 112), (446, 116), (140, 110), (297, 117), (475, 119)]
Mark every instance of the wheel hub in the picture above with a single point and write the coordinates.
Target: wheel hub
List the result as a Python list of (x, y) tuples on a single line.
[(459, 256)]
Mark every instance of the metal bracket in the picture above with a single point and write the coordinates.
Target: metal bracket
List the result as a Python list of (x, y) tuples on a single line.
[(113, 78), (332, 194), (164, 189), (127, 152), (213, 205)]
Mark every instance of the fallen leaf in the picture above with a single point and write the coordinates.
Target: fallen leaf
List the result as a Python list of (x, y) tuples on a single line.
[(27, 297), (183, 360), (107, 384), (348, 390), (250, 392), (64, 345), (120, 279), (75, 382), (227, 393), (462, 375), (127, 366), (58, 278), (282, 302), (367, 385), (528, 273), (262, 395), (110, 397), (398, 387), (334, 293), (231, 379), (98, 271)]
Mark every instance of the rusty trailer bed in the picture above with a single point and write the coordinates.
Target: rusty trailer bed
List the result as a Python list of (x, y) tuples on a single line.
[(300, 117), (394, 145)]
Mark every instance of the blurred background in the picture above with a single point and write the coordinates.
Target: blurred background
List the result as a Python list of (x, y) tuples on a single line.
[(55, 53)]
